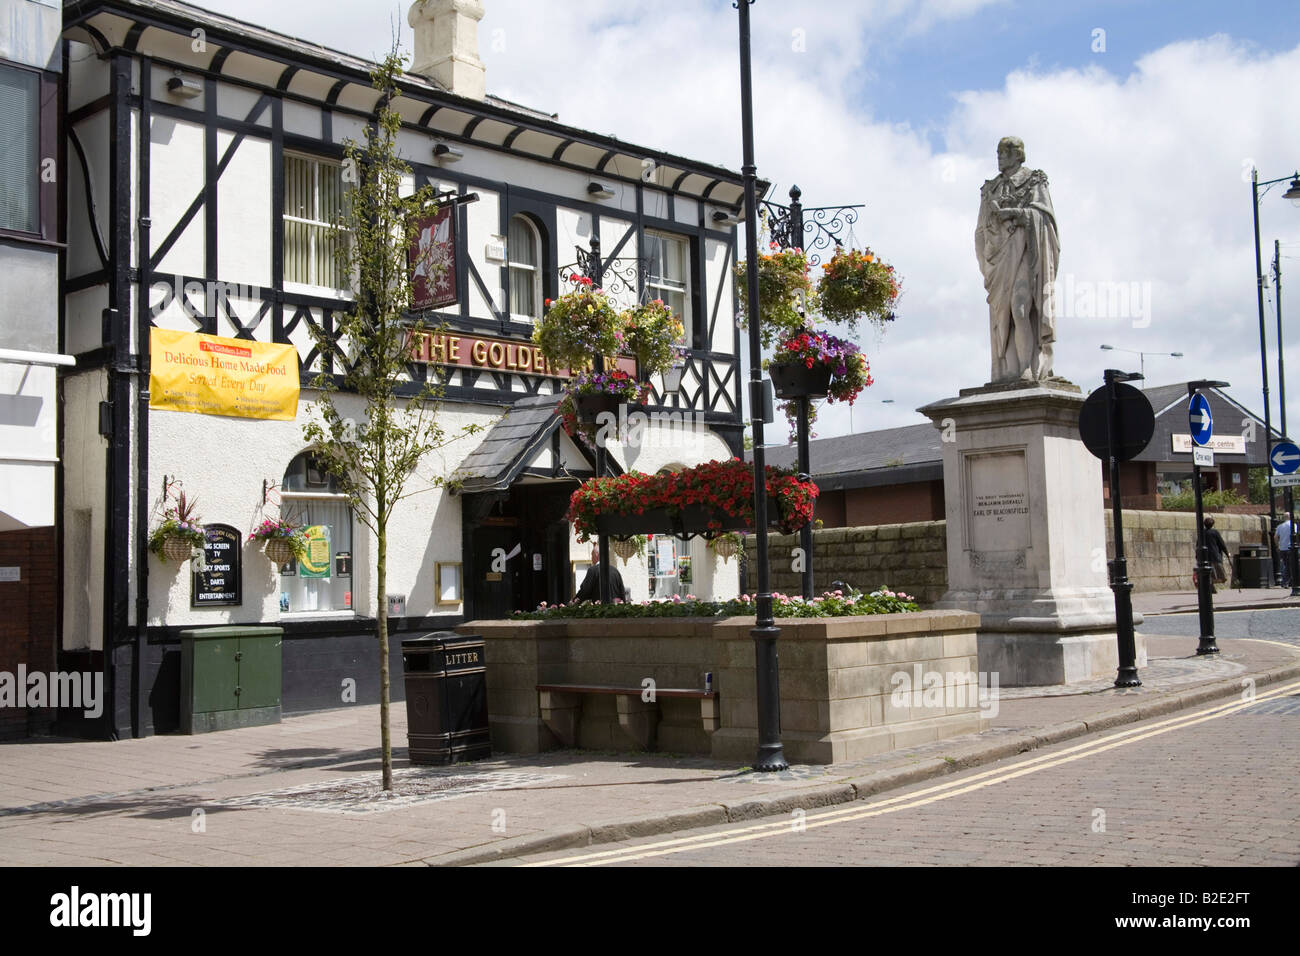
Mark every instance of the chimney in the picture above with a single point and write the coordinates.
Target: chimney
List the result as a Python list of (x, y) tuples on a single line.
[(446, 44)]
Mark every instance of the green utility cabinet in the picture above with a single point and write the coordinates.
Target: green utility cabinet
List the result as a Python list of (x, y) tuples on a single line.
[(230, 677)]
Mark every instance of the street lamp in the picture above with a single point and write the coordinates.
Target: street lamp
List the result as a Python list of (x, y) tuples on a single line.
[(1293, 194), (771, 755), (1142, 356), (882, 401)]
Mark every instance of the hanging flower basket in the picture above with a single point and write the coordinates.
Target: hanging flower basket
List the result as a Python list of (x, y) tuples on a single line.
[(177, 549), (282, 541), (279, 551), (708, 499), (857, 285), (591, 405), (179, 533), (725, 545), (627, 548), (784, 291), (577, 326), (796, 380), (655, 336), (591, 394)]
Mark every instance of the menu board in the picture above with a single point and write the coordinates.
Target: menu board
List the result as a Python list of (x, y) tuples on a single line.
[(219, 583)]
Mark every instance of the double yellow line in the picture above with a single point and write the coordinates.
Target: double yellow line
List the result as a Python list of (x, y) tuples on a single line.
[(919, 798)]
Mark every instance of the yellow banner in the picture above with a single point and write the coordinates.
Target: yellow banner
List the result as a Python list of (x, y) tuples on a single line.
[(212, 375)]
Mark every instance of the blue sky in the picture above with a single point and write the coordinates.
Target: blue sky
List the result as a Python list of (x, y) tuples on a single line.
[(916, 76)]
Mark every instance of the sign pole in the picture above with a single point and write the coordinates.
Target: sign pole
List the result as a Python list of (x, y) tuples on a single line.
[(1198, 410), (1126, 675)]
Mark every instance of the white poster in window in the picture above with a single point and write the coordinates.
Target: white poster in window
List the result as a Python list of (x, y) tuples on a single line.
[(666, 556)]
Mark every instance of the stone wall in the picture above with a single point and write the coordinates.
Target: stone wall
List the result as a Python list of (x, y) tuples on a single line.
[(1159, 545), (910, 557)]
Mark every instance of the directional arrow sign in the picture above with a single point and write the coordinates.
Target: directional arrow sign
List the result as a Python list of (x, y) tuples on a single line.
[(1199, 419), (1285, 458)]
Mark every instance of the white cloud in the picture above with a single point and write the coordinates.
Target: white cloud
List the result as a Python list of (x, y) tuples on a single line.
[(1146, 169)]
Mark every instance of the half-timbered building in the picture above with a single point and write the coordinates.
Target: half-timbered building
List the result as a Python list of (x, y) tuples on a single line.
[(204, 165)]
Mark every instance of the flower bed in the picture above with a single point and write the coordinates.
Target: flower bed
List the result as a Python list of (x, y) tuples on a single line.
[(830, 604), (725, 487)]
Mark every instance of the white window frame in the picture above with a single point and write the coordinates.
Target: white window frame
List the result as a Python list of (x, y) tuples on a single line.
[(654, 289), (313, 288), (511, 265)]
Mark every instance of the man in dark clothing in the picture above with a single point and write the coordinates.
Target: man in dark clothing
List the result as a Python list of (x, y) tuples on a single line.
[(1218, 550), (589, 590)]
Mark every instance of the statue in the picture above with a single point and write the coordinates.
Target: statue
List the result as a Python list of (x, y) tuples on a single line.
[(1017, 248)]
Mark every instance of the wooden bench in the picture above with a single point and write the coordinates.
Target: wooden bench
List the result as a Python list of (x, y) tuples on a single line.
[(638, 718)]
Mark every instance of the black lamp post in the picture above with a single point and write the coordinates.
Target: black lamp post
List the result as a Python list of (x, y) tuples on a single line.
[(1292, 558), (1293, 194), (771, 755)]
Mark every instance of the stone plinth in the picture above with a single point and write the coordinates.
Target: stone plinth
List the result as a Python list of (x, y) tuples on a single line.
[(1026, 538)]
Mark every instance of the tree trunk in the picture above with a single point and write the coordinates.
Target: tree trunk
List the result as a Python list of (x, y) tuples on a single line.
[(381, 584)]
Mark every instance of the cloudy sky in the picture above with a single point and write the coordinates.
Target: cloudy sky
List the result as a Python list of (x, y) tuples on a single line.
[(1146, 115)]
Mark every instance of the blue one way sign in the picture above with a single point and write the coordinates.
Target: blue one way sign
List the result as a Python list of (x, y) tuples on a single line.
[(1285, 458), (1199, 419)]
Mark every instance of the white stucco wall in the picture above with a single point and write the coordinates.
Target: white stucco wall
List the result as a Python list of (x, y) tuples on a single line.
[(83, 511), (222, 462)]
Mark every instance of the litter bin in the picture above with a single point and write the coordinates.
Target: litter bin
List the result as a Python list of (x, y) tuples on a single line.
[(446, 698), (1254, 567)]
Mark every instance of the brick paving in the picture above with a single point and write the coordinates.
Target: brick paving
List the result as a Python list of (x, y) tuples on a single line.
[(1225, 792), (239, 797)]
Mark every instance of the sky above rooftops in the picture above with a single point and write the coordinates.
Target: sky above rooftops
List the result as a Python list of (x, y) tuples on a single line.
[(1146, 115)]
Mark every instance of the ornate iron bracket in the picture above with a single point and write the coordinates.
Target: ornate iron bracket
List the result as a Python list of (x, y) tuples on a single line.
[(619, 276), (791, 226)]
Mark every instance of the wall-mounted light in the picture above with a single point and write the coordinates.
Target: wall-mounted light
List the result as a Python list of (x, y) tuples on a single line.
[(447, 154), (597, 191), (724, 217), (184, 87)]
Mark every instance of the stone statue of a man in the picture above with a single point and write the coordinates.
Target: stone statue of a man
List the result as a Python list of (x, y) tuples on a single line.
[(1017, 248)]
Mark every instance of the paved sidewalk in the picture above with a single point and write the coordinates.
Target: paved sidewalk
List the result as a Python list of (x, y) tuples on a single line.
[(1153, 603), (306, 791)]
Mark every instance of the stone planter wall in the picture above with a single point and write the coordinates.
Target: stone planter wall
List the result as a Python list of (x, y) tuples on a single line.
[(838, 683)]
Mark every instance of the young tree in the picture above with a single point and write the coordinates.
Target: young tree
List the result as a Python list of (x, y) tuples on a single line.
[(371, 345)]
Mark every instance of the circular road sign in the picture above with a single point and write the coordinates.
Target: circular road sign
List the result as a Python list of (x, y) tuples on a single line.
[(1135, 422), (1199, 420), (1285, 458)]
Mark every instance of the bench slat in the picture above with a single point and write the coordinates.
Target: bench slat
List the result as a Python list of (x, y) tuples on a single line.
[(629, 691)]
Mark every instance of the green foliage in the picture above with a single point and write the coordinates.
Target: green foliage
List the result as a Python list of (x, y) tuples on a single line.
[(653, 334), (830, 604), (1186, 500), (1257, 486), (784, 291), (578, 326)]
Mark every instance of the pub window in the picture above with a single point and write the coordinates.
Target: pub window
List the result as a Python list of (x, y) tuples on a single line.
[(20, 139), (524, 248), (322, 580), (313, 202), (669, 272)]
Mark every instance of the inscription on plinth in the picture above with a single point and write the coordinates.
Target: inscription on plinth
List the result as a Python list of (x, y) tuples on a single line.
[(998, 516)]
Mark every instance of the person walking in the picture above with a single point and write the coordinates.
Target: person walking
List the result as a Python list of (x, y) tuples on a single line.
[(1218, 550), (1285, 537)]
